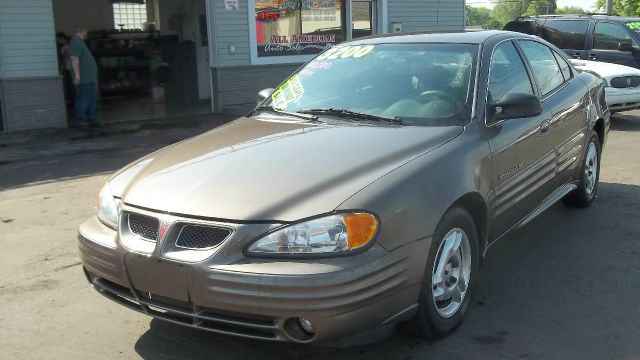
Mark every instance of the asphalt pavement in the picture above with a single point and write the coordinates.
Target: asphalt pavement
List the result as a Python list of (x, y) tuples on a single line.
[(566, 286)]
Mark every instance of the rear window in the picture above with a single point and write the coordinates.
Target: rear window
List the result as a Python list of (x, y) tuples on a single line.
[(566, 34), (525, 27)]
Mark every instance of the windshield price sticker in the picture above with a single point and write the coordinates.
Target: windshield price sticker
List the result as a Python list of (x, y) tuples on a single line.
[(634, 25), (289, 92), (345, 52)]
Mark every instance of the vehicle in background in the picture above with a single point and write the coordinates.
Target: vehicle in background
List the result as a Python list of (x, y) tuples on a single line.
[(623, 83), (612, 39)]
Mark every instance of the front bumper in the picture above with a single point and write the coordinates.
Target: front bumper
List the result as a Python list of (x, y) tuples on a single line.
[(622, 99), (259, 298)]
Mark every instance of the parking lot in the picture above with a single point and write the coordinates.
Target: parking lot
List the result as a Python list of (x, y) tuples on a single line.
[(566, 286)]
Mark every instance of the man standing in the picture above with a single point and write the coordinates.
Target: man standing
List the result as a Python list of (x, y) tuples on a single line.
[(85, 79)]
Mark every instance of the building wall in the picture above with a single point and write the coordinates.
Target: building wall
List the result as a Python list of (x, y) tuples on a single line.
[(421, 15), (33, 103), (31, 91), (237, 87), (230, 28), (27, 40), (236, 81)]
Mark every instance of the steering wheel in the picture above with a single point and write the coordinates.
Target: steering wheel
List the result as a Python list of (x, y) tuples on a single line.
[(424, 97)]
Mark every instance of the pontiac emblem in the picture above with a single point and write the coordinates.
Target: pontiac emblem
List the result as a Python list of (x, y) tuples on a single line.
[(163, 230), (628, 82)]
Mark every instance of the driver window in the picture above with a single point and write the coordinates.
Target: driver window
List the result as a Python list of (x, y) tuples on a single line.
[(607, 36), (507, 73)]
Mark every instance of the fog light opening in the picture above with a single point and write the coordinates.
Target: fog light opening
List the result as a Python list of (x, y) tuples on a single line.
[(299, 329)]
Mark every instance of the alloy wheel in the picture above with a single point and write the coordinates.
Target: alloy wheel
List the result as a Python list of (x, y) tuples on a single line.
[(451, 272), (591, 168)]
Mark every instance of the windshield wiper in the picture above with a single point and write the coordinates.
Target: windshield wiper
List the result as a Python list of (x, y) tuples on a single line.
[(352, 114), (310, 117)]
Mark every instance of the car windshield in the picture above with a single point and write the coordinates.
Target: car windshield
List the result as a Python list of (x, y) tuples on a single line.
[(411, 84)]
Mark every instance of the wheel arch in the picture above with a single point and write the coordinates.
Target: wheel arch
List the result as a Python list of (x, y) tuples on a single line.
[(476, 206), (599, 128)]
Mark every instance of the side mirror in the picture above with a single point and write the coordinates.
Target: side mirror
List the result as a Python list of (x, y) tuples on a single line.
[(515, 106), (626, 46), (264, 93)]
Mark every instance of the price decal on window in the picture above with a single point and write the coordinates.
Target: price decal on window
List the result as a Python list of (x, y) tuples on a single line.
[(288, 92), (345, 52), (634, 25)]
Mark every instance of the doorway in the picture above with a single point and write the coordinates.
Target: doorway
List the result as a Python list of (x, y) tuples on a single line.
[(202, 50)]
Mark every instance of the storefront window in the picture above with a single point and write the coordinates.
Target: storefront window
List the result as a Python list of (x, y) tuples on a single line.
[(298, 27)]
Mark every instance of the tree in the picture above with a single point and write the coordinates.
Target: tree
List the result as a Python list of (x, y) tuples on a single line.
[(507, 10), (621, 7), (481, 16), (541, 7), (570, 10)]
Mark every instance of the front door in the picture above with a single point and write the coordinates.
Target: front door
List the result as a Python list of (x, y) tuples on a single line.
[(608, 44), (521, 149), (202, 50)]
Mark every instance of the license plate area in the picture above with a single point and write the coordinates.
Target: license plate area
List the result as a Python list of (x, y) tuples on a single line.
[(157, 277)]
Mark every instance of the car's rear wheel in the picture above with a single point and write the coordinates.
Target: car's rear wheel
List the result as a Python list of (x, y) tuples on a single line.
[(587, 189), (450, 275)]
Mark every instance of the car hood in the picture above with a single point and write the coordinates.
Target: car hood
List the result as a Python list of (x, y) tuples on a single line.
[(605, 70), (258, 169)]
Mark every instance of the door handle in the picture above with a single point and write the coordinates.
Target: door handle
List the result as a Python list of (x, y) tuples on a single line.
[(544, 127)]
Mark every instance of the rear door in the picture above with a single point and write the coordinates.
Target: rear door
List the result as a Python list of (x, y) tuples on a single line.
[(608, 44), (521, 149), (567, 98), (568, 35)]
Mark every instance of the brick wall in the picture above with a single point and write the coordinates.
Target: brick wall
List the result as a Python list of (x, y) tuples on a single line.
[(236, 88), (32, 103)]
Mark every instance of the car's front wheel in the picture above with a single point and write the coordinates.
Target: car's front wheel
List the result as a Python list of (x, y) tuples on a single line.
[(587, 189), (450, 275)]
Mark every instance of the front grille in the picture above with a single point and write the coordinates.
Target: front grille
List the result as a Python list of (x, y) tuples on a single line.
[(625, 82), (201, 237), (144, 226), (245, 325)]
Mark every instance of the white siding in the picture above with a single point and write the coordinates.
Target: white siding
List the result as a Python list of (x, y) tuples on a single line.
[(27, 39), (230, 27), (421, 15)]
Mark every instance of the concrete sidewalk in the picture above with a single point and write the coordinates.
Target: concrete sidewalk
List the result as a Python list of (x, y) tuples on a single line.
[(39, 144)]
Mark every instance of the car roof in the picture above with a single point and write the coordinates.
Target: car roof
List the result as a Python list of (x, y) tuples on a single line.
[(463, 37), (582, 16)]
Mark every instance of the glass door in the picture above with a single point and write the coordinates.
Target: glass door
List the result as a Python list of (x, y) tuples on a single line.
[(363, 17)]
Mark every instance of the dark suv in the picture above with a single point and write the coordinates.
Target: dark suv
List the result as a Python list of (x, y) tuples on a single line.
[(613, 39)]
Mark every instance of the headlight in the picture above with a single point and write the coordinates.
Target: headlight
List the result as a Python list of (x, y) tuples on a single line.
[(107, 208), (334, 234)]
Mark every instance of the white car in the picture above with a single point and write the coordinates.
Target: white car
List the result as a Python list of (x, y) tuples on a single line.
[(623, 83)]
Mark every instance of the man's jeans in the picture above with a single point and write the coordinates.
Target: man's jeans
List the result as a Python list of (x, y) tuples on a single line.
[(85, 103)]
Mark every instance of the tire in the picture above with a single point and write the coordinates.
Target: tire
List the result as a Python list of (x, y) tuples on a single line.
[(437, 318), (587, 189)]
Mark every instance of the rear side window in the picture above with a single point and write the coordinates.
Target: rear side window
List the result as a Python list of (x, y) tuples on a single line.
[(607, 36), (544, 65), (566, 34), (507, 73), (564, 66)]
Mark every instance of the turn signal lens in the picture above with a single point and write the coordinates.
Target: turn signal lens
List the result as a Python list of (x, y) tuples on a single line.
[(361, 228)]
